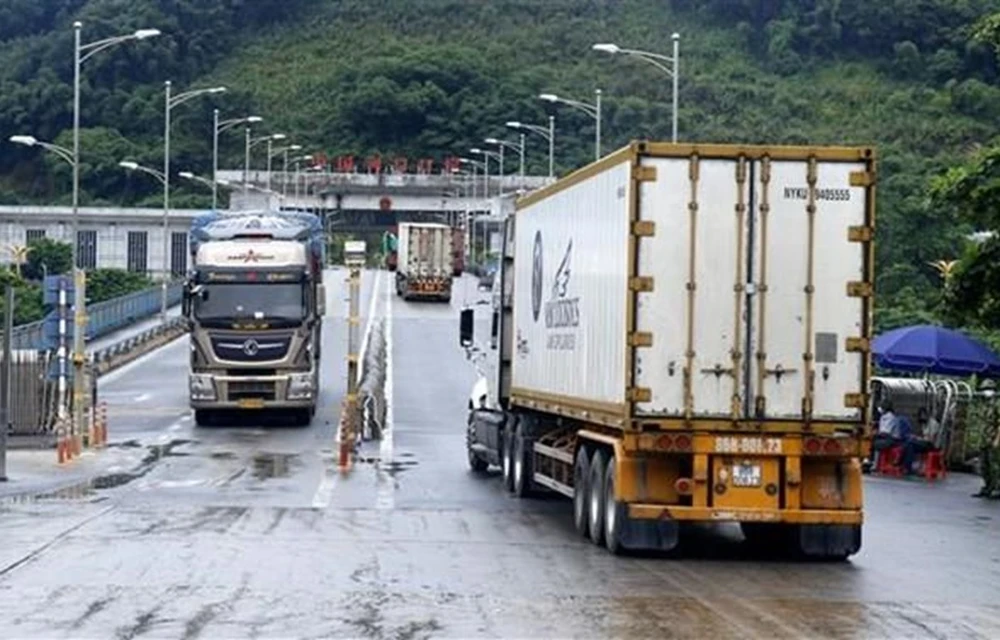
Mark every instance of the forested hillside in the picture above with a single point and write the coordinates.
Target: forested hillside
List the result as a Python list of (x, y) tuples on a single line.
[(917, 78)]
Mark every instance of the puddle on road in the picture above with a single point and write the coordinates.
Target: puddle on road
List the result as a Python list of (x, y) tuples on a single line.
[(272, 465), (393, 467), (158, 451), (222, 455)]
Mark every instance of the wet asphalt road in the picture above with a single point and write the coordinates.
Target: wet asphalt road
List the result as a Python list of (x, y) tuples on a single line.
[(230, 532)]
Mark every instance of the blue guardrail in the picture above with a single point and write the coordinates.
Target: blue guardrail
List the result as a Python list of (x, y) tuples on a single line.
[(102, 318)]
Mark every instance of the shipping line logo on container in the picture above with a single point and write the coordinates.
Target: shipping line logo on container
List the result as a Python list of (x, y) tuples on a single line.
[(561, 311)]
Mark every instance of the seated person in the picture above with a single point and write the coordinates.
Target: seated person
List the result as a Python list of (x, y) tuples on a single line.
[(930, 430), (896, 430)]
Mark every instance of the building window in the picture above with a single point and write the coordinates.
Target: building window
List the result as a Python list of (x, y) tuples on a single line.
[(178, 253), (33, 235), (86, 247), (138, 257)]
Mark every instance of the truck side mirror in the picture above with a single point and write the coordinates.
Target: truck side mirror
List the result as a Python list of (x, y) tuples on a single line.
[(321, 302), (465, 329)]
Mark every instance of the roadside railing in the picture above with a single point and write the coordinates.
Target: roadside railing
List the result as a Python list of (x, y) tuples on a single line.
[(105, 317)]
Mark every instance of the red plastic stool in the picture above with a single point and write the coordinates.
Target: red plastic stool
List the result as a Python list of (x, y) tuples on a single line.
[(934, 465), (889, 461)]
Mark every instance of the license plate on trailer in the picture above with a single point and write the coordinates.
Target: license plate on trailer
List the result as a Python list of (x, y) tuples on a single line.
[(746, 475), (251, 403)]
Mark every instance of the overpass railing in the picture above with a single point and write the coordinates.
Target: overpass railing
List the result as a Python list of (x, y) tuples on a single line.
[(105, 317)]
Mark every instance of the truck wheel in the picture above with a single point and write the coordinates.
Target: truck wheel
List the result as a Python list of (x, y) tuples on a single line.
[(522, 464), (204, 417), (615, 512), (507, 457), (596, 495), (476, 463), (581, 491)]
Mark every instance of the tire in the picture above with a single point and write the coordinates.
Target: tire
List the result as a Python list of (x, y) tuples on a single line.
[(615, 513), (507, 457), (204, 417), (477, 464), (581, 491), (595, 509), (522, 464)]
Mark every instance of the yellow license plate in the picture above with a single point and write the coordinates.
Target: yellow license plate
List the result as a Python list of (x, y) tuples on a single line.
[(251, 403)]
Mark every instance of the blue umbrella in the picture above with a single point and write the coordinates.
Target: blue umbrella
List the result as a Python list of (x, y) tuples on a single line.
[(930, 349)]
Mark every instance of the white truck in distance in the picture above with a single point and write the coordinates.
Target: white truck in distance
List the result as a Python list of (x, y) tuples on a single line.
[(425, 264)]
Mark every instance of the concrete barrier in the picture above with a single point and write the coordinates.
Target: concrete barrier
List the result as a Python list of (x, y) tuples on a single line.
[(134, 347), (372, 385)]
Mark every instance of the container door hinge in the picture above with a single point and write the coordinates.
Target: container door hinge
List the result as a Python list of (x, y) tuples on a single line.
[(640, 339), (640, 394), (862, 178), (644, 174), (856, 400), (860, 289), (644, 228), (858, 345), (860, 233), (641, 283)]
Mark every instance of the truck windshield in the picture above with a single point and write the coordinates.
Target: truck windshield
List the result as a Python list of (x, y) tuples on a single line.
[(233, 302)]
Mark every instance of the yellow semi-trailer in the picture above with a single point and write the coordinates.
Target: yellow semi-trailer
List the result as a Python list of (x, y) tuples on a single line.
[(682, 335)]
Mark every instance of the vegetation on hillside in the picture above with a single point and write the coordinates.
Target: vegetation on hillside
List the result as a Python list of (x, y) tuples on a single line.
[(917, 78)]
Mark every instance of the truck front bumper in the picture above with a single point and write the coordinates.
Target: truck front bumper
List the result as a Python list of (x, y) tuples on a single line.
[(641, 511), (287, 391)]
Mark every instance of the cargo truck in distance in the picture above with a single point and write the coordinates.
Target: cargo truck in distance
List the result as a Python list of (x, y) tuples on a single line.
[(683, 336), (254, 303), (425, 262)]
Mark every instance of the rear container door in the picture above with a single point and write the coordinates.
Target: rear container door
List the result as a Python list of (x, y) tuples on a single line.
[(756, 277)]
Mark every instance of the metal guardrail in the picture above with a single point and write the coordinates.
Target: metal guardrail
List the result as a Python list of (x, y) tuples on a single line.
[(105, 317)]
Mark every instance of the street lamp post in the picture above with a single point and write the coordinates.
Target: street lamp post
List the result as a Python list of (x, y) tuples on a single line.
[(297, 163), (592, 110), (284, 167), (170, 102), (219, 128), (670, 65), (250, 144), (549, 134), (519, 147), (487, 155)]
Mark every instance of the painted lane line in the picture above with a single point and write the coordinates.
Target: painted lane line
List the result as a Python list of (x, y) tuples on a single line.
[(386, 498)]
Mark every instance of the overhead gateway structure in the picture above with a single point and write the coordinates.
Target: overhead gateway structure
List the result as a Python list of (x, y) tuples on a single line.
[(254, 302)]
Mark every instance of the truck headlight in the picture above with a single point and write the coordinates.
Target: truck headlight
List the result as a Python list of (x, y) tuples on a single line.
[(201, 387), (300, 386)]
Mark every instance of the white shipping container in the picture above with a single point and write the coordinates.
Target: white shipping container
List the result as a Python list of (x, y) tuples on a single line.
[(570, 285), (424, 249), (753, 299)]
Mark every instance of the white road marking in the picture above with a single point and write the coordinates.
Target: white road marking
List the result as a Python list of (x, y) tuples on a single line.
[(386, 493), (142, 397)]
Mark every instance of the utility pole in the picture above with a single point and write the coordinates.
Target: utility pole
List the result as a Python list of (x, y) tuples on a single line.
[(5, 375)]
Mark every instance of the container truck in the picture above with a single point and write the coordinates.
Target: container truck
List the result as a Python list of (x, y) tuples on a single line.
[(682, 335), (424, 267), (254, 303), (458, 251)]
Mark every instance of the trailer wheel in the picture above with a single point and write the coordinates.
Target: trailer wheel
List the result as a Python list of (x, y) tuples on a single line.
[(507, 456), (615, 513), (596, 495), (522, 463), (581, 491)]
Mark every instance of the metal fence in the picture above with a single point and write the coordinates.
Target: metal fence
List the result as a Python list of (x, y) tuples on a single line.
[(105, 317), (32, 397)]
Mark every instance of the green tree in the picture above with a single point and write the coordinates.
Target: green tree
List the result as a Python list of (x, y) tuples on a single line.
[(47, 256), (104, 284)]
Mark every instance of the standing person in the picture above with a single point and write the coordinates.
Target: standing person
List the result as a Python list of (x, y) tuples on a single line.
[(989, 443)]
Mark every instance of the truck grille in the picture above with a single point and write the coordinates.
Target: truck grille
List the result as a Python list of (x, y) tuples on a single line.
[(239, 389), (251, 348)]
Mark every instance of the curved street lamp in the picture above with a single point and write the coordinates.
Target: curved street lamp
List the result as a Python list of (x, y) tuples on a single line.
[(549, 135), (592, 110), (218, 128), (250, 144), (519, 147), (170, 102), (669, 65), (487, 156)]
